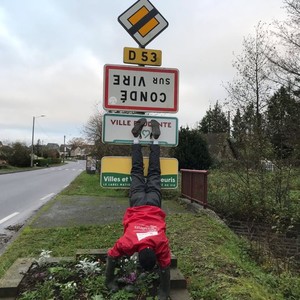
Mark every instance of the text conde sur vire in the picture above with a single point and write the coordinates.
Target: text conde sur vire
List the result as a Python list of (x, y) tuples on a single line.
[(135, 81)]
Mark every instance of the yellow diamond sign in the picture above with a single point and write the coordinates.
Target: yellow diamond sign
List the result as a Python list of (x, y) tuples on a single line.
[(143, 22)]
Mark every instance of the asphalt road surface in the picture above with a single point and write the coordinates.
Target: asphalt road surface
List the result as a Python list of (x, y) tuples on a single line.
[(22, 193)]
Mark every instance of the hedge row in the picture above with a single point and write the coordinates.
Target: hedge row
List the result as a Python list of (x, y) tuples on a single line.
[(43, 162)]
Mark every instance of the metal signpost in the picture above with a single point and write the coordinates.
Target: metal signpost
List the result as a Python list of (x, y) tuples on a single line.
[(116, 129), (140, 89)]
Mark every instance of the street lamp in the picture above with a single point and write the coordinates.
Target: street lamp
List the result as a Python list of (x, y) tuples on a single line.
[(32, 138), (64, 149)]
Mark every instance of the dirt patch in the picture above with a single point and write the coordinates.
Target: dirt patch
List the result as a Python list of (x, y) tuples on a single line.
[(80, 210), (4, 239), (83, 210), (8, 235)]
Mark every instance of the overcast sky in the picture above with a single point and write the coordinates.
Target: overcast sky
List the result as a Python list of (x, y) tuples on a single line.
[(52, 54)]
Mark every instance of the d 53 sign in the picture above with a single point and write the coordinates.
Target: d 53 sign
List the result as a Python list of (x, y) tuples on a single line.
[(142, 56), (140, 89)]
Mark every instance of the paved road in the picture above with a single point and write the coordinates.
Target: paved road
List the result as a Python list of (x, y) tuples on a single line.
[(24, 192)]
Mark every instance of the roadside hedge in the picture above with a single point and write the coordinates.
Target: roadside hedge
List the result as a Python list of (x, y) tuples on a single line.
[(44, 162)]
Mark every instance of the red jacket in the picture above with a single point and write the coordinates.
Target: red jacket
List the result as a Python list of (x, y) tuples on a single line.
[(144, 226)]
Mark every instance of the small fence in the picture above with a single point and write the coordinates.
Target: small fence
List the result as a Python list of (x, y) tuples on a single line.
[(194, 186)]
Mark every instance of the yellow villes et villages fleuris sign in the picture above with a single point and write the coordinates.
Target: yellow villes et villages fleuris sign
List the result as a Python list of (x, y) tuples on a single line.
[(115, 172)]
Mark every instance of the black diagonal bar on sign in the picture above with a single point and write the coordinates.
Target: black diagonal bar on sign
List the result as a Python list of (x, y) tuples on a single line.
[(136, 27)]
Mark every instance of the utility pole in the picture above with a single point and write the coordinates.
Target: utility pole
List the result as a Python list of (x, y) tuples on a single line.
[(32, 138), (64, 149)]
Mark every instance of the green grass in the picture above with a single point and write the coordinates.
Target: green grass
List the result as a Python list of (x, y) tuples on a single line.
[(87, 184), (10, 169), (215, 262), (263, 199)]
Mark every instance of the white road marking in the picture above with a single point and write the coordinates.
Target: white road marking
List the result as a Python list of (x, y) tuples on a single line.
[(66, 186), (47, 196), (9, 217)]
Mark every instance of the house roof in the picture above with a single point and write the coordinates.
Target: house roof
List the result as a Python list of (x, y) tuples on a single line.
[(53, 146)]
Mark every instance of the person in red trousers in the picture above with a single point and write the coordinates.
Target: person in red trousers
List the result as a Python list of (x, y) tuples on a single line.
[(144, 221)]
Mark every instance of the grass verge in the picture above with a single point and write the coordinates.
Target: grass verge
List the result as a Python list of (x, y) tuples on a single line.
[(214, 260)]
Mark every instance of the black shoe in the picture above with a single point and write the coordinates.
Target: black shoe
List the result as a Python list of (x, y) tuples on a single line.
[(138, 126), (155, 129)]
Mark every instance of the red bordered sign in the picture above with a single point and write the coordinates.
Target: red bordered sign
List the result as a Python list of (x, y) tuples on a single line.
[(144, 89)]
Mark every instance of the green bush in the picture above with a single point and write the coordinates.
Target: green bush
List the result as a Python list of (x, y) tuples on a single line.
[(290, 286), (253, 195), (192, 151), (170, 194), (54, 161), (20, 155), (41, 162)]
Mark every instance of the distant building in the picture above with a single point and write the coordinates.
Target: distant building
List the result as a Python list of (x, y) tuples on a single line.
[(81, 151), (52, 146), (65, 150)]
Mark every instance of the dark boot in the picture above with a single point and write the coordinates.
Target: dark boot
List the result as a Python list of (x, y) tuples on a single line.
[(164, 287), (155, 129), (110, 274), (138, 126)]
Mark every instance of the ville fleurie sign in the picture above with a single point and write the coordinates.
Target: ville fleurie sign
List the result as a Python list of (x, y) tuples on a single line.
[(144, 89), (116, 129), (115, 172)]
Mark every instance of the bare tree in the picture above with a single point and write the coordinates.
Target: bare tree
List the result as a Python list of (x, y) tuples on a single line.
[(77, 142), (286, 59), (93, 133), (248, 94), (93, 128), (252, 85)]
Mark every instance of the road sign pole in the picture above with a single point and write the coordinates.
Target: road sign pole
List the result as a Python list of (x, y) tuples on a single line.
[(139, 90)]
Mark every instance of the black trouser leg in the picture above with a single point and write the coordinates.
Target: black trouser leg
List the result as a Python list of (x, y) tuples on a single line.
[(137, 187), (153, 189)]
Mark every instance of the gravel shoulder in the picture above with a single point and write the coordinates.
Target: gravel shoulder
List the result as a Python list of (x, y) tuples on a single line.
[(85, 210), (8, 236)]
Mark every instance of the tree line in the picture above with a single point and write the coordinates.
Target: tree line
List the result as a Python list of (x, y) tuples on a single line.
[(260, 123)]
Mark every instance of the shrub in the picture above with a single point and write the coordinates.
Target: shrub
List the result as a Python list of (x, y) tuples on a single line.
[(20, 156), (53, 161), (41, 162)]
